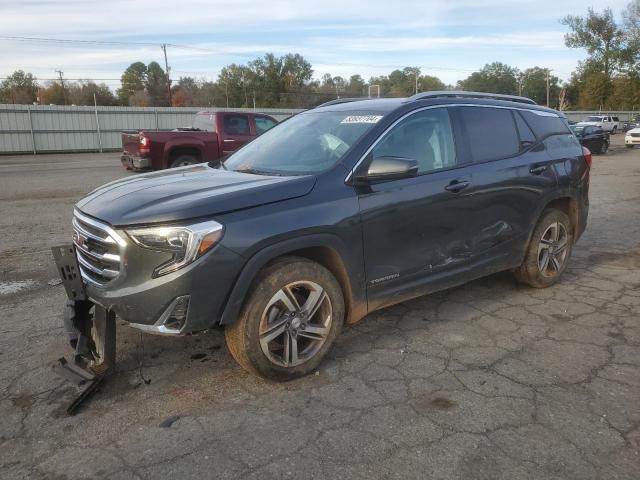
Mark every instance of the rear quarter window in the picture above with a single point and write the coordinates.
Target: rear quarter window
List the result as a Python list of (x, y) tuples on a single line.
[(545, 125)]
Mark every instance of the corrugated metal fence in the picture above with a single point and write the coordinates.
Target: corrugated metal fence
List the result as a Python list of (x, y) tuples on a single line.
[(578, 116), (43, 128)]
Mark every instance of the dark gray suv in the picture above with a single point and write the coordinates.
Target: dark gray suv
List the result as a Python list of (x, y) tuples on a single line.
[(339, 211)]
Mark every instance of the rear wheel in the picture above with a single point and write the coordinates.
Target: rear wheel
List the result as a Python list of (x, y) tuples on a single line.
[(548, 252), (292, 316), (614, 131), (604, 148), (183, 161)]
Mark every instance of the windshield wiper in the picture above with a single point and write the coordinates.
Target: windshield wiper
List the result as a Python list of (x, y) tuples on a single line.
[(253, 171)]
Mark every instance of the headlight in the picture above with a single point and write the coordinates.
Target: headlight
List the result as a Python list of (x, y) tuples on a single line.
[(184, 242)]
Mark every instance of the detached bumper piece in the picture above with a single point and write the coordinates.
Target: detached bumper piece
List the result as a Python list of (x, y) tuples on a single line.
[(91, 330)]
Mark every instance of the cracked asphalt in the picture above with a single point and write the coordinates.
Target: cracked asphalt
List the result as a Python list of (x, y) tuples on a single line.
[(489, 380)]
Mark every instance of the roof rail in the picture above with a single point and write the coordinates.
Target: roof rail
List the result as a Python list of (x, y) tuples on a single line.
[(342, 100), (463, 94)]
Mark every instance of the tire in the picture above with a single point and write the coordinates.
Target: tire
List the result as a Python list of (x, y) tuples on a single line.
[(183, 161), (629, 146), (614, 131), (267, 323), (539, 269), (604, 148)]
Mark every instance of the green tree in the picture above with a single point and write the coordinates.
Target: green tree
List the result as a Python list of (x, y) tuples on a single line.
[(599, 35), (19, 87), (532, 83), (631, 25), (625, 92), (237, 83), (356, 86), (156, 82), (103, 94), (133, 80), (53, 94), (428, 83), (496, 77)]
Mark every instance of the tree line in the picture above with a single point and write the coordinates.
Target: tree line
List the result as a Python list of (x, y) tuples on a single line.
[(608, 79)]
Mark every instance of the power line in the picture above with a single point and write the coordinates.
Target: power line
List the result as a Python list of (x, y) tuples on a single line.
[(113, 42), (64, 40)]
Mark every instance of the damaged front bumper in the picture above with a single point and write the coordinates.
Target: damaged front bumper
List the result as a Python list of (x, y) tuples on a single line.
[(89, 327)]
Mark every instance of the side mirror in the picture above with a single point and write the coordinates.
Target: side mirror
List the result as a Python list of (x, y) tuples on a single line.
[(388, 168)]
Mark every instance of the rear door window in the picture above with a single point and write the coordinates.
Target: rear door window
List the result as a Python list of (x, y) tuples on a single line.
[(527, 137), (204, 122), (491, 133), (235, 124)]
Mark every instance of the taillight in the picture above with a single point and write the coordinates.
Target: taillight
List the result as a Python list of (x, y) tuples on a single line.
[(144, 145), (586, 153)]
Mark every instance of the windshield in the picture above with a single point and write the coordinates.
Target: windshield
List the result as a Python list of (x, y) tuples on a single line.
[(308, 143), (577, 129), (594, 119)]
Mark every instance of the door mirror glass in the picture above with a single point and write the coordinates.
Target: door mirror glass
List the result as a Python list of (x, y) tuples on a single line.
[(388, 168)]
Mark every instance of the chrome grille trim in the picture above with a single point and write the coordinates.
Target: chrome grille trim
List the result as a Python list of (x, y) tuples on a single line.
[(104, 257), (99, 250), (89, 234), (105, 272)]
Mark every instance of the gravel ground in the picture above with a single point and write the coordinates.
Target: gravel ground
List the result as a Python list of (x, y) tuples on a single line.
[(488, 380)]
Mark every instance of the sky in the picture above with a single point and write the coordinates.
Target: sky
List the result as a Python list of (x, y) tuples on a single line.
[(448, 39)]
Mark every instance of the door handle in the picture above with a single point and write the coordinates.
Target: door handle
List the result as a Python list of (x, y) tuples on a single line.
[(228, 140), (457, 185), (538, 169)]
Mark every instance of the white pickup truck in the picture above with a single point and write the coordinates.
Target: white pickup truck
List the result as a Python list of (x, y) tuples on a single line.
[(605, 122)]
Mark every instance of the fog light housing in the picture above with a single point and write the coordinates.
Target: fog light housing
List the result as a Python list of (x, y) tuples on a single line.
[(178, 311), (173, 319)]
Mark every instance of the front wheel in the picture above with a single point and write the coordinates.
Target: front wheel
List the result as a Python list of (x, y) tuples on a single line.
[(548, 252), (614, 131), (629, 146), (183, 161), (293, 314)]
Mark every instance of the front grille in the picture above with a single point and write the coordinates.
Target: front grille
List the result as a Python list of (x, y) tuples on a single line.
[(635, 134), (98, 248)]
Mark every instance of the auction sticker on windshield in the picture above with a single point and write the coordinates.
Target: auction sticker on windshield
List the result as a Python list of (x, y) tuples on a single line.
[(362, 119)]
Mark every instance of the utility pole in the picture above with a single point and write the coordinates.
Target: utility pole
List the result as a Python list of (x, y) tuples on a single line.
[(548, 72), (416, 82), (166, 67), (64, 92)]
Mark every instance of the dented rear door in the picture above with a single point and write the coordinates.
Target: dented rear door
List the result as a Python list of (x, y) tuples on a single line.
[(512, 173)]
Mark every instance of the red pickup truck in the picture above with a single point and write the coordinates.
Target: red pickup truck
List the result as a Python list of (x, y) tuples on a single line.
[(212, 136)]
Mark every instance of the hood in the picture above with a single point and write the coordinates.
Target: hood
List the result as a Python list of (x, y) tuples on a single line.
[(189, 192), (633, 130)]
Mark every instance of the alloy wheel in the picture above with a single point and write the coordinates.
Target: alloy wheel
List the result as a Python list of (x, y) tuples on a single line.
[(295, 323), (552, 250)]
